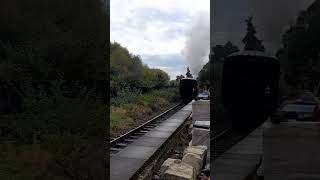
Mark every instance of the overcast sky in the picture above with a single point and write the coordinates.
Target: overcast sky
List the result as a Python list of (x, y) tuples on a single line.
[(159, 31), (270, 17)]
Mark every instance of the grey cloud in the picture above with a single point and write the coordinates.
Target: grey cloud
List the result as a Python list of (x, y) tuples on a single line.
[(142, 17), (173, 64), (163, 60)]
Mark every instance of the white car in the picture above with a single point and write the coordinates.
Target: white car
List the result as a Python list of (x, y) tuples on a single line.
[(204, 95)]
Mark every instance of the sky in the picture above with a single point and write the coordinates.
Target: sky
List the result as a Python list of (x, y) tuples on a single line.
[(270, 17), (169, 34)]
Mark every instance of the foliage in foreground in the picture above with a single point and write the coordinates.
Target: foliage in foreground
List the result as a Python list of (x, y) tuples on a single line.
[(132, 106), (52, 39), (54, 137)]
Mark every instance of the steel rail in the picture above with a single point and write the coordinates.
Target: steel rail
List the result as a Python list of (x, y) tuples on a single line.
[(136, 130)]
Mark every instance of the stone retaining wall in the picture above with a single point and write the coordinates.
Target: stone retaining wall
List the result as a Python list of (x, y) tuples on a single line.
[(171, 148), (186, 169)]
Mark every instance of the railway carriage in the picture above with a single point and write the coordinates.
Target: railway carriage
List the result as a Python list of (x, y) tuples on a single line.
[(188, 89), (250, 85)]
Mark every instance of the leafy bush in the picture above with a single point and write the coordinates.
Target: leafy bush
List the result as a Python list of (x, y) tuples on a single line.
[(56, 136), (133, 106), (53, 39)]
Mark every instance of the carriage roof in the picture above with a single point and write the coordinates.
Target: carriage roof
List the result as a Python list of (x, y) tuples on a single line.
[(188, 79), (252, 53)]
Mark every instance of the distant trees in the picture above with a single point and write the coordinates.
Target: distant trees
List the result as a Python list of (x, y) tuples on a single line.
[(222, 51), (178, 78), (204, 76), (152, 78), (299, 55), (127, 72), (250, 40), (218, 53)]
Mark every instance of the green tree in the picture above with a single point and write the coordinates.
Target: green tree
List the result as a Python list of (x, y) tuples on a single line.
[(204, 76), (250, 40), (178, 78), (127, 72), (219, 52), (161, 78), (299, 55)]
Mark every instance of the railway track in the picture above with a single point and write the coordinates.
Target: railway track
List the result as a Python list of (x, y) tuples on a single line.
[(123, 140), (224, 140)]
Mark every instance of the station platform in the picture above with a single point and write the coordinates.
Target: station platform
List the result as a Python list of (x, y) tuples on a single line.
[(241, 161), (201, 126), (125, 163), (291, 151)]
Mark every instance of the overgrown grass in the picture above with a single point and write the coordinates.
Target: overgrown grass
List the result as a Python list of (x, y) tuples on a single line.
[(54, 138), (133, 106), (64, 157)]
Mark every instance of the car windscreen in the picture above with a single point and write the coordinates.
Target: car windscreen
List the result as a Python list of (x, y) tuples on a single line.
[(206, 93), (298, 108)]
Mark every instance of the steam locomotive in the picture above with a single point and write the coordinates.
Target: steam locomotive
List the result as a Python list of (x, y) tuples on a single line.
[(188, 89), (250, 85)]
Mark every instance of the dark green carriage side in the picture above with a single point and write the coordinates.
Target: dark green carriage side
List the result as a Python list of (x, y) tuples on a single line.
[(250, 86)]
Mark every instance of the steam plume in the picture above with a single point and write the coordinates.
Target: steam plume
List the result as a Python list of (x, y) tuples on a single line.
[(197, 44)]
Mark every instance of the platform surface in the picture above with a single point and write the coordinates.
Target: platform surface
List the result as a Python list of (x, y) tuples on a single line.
[(201, 126), (291, 151), (125, 163), (241, 160)]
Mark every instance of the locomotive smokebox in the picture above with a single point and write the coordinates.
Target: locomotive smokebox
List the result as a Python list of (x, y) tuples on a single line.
[(188, 89)]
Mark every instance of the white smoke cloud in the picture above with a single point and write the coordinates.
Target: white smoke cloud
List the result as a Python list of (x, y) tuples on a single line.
[(197, 45)]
